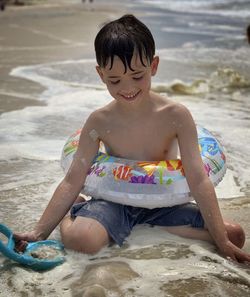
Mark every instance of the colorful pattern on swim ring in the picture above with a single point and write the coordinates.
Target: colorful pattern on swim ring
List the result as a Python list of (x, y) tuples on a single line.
[(148, 184)]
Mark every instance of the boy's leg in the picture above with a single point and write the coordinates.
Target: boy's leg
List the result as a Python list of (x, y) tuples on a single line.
[(186, 220), (235, 233), (94, 224), (83, 234)]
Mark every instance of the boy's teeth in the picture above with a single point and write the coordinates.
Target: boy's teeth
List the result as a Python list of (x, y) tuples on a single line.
[(130, 96)]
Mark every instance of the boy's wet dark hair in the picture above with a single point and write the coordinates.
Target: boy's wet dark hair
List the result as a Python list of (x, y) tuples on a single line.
[(248, 33), (122, 38)]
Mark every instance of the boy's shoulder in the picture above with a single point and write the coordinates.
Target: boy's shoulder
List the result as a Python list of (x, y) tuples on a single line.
[(98, 116), (102, 112), (169, 106), (173, 114)]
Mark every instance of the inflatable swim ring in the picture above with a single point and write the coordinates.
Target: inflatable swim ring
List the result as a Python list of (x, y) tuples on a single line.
[(148, 184)]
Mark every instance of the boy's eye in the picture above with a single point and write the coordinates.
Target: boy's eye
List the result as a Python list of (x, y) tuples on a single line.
[(138, 78), (115, 82)]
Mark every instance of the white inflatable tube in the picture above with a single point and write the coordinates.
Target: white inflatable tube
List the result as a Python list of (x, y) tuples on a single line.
[(148, 184)]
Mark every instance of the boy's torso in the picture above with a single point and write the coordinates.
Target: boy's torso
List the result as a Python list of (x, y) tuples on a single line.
[(148, 136)]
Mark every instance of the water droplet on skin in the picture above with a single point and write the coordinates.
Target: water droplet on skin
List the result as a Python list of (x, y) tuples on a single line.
[(94, 134), (83, 161)]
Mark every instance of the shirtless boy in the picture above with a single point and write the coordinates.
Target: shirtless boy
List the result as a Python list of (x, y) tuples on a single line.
[(141, 125)]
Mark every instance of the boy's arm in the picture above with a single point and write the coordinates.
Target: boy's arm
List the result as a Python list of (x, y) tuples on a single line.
[(68, 190), (200, 185)]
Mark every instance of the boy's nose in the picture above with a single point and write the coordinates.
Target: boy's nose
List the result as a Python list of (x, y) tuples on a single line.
[(128, 89)]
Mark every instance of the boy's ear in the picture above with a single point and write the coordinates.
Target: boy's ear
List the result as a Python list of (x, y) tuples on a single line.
[(99, 71), (154, 65)]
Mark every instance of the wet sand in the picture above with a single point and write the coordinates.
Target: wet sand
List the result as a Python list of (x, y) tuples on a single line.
[(48, 33), (51, 32), (41, 34)]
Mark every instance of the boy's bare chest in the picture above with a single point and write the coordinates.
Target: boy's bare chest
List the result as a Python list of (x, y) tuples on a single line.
[(138, 141)]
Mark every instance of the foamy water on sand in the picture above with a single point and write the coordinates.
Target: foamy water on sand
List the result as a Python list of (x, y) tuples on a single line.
[(210, 74), (152, 261)]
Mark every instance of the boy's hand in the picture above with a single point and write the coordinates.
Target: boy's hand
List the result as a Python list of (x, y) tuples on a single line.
[(22, 240), (229, 250)]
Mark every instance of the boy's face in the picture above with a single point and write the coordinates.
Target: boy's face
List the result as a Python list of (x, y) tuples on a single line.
[(132, 85)]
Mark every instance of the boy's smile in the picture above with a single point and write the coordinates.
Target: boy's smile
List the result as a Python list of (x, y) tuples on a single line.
[(131, 96), (130, 83)]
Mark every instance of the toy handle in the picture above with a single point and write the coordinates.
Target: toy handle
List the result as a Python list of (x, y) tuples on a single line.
[(8, 249)]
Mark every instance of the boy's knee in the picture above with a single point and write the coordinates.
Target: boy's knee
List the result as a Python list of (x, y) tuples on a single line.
[(236, 234), (84, 241)]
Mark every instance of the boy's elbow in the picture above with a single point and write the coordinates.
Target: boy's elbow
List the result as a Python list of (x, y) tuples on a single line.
[(69, 189), (73, 183), (201, 186)]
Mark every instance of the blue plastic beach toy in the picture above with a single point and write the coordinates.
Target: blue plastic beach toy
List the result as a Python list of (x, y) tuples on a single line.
[(26, 258)]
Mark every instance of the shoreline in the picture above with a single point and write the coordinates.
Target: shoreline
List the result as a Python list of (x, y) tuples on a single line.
[(43, 42), (47, 33)]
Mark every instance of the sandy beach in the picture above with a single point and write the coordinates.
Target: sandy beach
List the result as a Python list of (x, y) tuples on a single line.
[(30, 35), (37, 34), (56, 31)]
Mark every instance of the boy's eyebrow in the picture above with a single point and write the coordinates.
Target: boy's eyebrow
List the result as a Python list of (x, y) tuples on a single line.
[(137, 72), (113, 76)]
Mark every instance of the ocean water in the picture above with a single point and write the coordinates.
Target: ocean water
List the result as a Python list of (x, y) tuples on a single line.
[(205, 64), (215, 7)]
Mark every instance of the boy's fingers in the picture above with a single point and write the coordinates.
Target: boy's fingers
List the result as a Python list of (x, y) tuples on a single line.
[(21, 246), (18, 237), (21, 241), (22, 236), (243, 258)]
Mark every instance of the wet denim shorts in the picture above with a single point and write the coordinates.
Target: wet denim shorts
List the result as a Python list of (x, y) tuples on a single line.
[(120, 219)]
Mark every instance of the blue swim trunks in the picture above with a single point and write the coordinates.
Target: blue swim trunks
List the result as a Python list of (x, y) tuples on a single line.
[(120, 219)]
